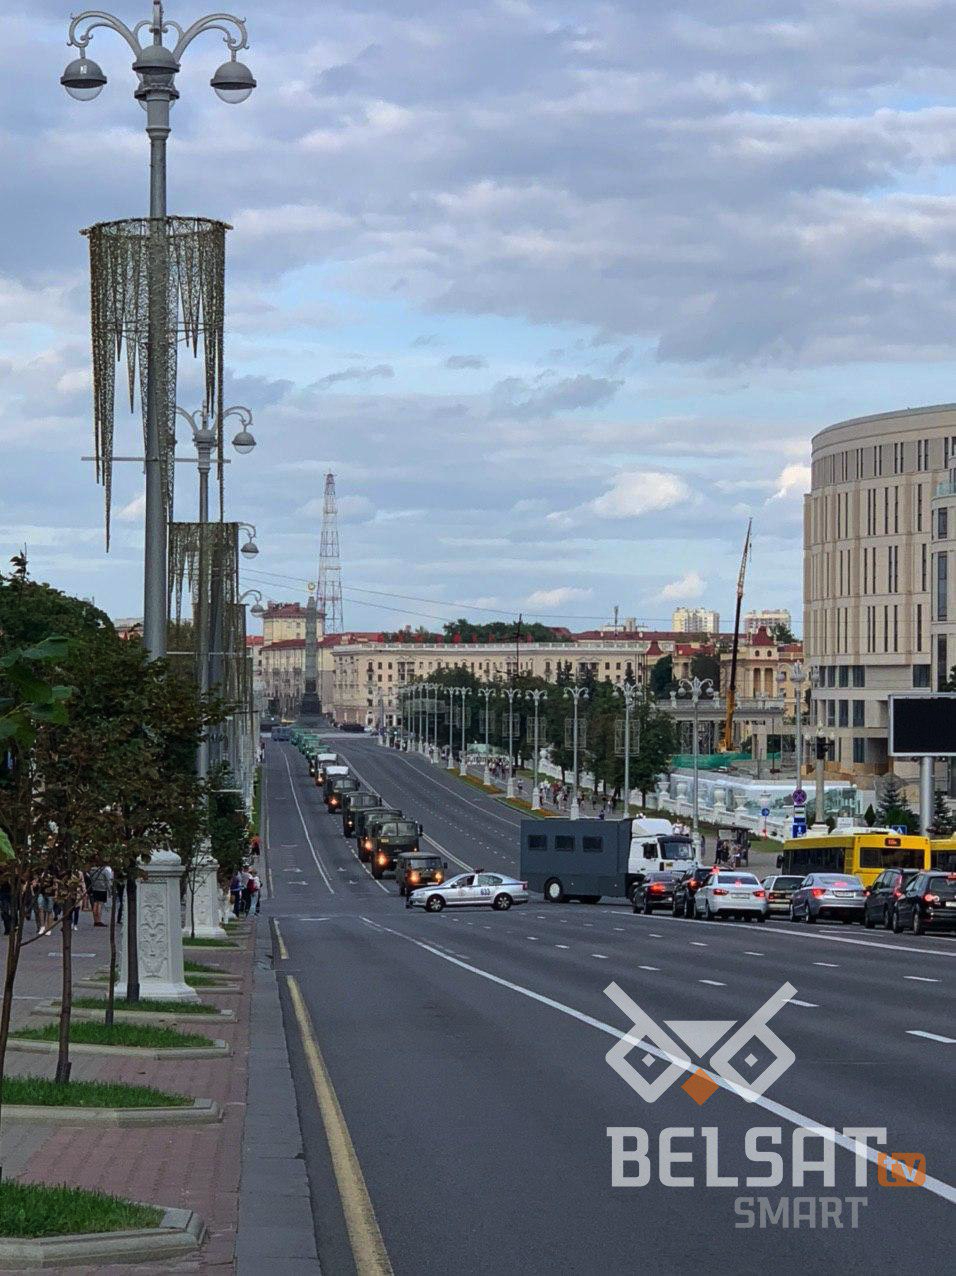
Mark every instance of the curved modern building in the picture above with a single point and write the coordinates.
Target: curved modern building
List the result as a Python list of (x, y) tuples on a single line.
[(879, 546)]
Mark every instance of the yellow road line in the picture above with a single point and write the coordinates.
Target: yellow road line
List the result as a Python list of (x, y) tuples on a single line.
[(283, 951), (368, 1248)]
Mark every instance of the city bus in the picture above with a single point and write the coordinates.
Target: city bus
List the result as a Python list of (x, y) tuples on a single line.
[(864, 852), (942, 854)]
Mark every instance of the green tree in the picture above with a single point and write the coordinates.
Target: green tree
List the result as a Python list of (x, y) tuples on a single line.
[(943, 823), (662, 676), (893, 808), (705, 665), (782, 633)]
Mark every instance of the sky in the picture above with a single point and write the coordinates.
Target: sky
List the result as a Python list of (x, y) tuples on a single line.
[(560, 292)]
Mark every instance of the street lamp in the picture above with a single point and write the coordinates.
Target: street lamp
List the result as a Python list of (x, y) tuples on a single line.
[(204, 437), (798, 676), (462, 767), (629, 692), (695, 688), (432, 688), (487, 692), (511, 692), (257, 608), (156, 67), (536, 696), (250, 549), (576, 693), (824, 749)]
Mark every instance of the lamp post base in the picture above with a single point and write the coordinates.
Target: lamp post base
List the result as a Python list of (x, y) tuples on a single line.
[(159, 933), (451, 760), (575, 810), (536, 800), (510, 791)]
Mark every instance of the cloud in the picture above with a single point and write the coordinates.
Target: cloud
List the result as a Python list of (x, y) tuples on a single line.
[(793, 480), (686, 589), (555, 597), (525, 402), (133, 511), (351, 509), (458, 362), (638, 492), (356, 374)]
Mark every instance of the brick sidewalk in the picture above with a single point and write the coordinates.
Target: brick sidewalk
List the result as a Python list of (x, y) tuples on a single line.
[(196, 1167)]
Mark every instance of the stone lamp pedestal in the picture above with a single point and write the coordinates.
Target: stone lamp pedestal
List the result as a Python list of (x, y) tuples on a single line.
[(202, 900), (159, 938)]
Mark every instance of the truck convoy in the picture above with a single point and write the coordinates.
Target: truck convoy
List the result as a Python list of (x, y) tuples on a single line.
[(354, 802), (390, 836), (589, 859)]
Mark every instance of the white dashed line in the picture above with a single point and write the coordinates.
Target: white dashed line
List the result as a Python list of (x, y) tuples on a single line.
[(931, 1036), (562, 945), (832, 965), (648, 967), (810, 1005), (534, 937), (714, 983), (748, 953), (600, 956), (695, 943), (921, 979)]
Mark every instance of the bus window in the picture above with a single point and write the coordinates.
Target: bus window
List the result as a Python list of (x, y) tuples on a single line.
[(815, 859), (945, 861)]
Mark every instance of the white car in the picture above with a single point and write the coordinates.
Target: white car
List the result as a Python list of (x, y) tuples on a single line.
[(491, 889), (728, 892)]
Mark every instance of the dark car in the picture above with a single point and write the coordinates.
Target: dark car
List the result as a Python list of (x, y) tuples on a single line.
[(364, 820), (685, 890), (352, 727), (655, 891), (927, 904), (418, 868), (881, 897), (352, 803)]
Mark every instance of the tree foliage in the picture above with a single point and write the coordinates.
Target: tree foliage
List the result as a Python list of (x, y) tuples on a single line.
[(893, 807)]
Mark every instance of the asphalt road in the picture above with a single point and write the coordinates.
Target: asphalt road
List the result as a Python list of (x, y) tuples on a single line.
[(467, 1054)]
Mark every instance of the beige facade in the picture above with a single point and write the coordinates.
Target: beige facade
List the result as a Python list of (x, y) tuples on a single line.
[(763, 670), (695, 620), (367, 676), (869, 626), (767, 619)]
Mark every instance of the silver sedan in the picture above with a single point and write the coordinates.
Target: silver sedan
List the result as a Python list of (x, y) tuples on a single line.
[(494, 890), (837, 895)]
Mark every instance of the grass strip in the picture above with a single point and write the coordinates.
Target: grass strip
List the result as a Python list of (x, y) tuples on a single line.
[(122, 1006), (189, 942), (202, 968), (47, 1209), (143, 1035), (46, 1093)]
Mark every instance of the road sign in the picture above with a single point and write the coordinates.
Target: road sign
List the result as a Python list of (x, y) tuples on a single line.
[(798, 828), (799, 797), (765, 811)]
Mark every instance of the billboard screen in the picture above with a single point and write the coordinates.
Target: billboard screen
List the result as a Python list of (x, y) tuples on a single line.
[(922, 725)]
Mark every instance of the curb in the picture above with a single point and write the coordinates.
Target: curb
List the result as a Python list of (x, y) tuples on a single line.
[(201, 1112), (52, 1010), (179, 1232), (218, 1049), (206, 990)]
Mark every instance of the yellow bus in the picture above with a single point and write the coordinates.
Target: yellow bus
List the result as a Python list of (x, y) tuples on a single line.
[(942, 854), (864, 852)]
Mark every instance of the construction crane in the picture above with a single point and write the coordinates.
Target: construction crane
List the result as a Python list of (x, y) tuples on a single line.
[(728, 740)]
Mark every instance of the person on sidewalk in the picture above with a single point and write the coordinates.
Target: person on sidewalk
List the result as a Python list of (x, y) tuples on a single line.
[(6, 906), (99, 881), (252, 892), (235, 892), (241, 902)]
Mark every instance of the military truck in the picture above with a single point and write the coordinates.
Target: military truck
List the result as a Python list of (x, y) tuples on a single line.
[(336, 788), (389, 835), (418, 868), (363, 818), (354, 802)]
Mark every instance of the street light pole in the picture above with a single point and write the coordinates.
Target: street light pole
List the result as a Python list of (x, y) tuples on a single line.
[(462, 768), (511, 692), (824, 742), (629, 692), (451, 728), (156, 67), (576, 693), (536, 696), (798, 676), (487, 692), (696, 687)]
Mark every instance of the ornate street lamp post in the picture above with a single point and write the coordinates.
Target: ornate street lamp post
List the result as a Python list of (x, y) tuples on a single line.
[(487, 693), (156, 67), (511, 692), (536, 696), (629, 692), (462, 766), (576, 693), (695, 688)]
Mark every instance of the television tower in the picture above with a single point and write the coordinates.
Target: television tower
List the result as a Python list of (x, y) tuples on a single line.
[(330, 570)]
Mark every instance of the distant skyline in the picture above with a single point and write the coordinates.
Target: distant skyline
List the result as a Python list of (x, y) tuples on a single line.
[(560, 296)]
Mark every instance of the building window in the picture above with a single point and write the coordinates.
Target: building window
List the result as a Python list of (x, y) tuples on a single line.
[(921, 675), (859, 676), (844, 706), (896, 627), (877, 460), (942, 523), (859, 749), (923, 585), (941, 671), (831, 713), (919, 507), (942, 584), (897, 458), (844, 675), (859, 713), (922, 454), (919, 626)]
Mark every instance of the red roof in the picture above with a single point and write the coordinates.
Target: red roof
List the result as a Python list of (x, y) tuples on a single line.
[(760, 638), (254, 640), (284, 611), (654, 649), (284, 644)]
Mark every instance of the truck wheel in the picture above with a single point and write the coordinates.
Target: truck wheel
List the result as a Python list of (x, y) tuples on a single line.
[(554, 892)]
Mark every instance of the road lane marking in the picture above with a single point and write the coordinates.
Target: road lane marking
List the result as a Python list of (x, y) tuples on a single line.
[(620, 928), (283, 951), (931, 1036), (714, 983), (748, 953), (531, 936), (832, 965), (365, 1237), (810, 1005), (305, 830), (696, 943), (600, 956), (562, 945), (939, 1188), (921, 979), (648, 967)]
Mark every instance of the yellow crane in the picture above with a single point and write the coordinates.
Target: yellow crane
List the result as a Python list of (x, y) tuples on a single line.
[(728, 741)]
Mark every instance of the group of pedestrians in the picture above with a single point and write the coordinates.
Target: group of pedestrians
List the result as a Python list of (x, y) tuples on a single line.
[(48, 898), (245, 892)]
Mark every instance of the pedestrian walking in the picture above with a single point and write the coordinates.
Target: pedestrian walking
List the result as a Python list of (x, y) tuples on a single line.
[(99, 879), (249, 891), (235, 893)]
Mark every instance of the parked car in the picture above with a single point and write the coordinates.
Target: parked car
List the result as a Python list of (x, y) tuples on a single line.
[(731, 893), (780, 888), (837, 895), (492, 890), (355, 728), (880, 902), (686, 888), (655, 891), (927, 904)]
